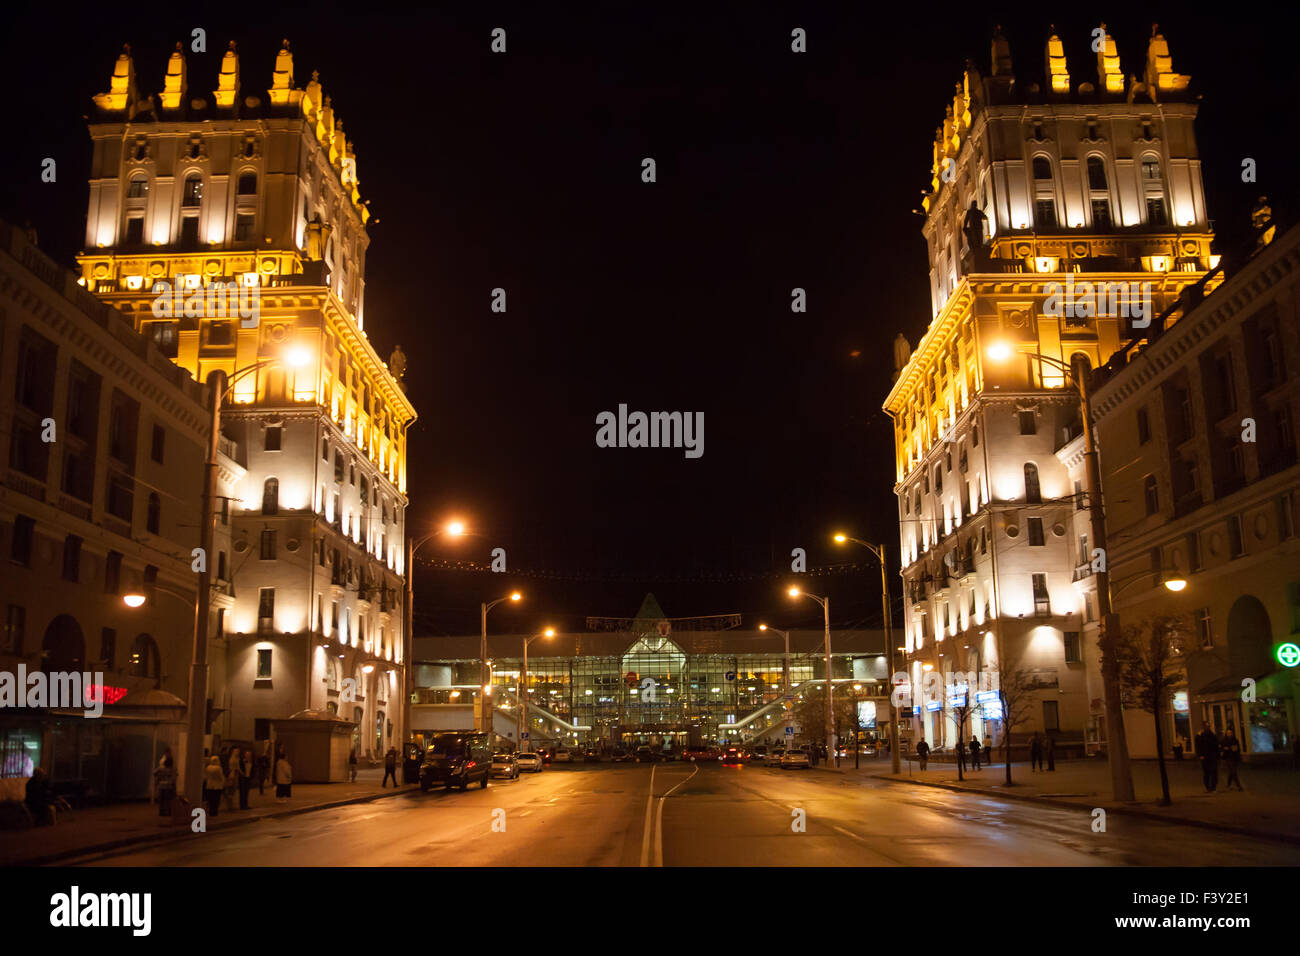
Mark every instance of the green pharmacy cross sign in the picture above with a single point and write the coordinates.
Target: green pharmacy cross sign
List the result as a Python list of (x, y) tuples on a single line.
[(1288, 655)]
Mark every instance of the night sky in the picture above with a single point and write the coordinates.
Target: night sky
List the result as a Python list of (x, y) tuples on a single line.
[(522, 171)]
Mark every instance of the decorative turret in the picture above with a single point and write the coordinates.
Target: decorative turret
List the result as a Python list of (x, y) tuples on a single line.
[(121, 95), (1160, 76), (1058, 74), (227, 91), (282, 90), (1001, 55), (1110, 78), (174, 81)]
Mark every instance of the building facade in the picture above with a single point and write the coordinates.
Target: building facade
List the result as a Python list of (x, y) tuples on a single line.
[(104, 447), (1197, 431), (229, 225), (1062, 215)]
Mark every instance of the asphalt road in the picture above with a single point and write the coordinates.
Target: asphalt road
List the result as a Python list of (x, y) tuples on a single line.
[(681, 814)]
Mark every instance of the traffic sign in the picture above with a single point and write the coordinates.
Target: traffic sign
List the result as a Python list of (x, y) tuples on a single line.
[(731, 675), (524, 735), (789, 731)]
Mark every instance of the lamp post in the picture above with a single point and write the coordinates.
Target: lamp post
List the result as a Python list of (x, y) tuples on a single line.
[(521, 689), (825, 602), (196, 706), (453, 529), (1121, 772), (785, 671), (879, 551), (485, 714)]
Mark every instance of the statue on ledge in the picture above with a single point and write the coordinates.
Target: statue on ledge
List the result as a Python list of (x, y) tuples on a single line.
[(397, 364), (974, 225)]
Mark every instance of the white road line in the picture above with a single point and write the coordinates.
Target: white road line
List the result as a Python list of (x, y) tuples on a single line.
[(848, 833), (525, 813), (645, 830), (659, 820)]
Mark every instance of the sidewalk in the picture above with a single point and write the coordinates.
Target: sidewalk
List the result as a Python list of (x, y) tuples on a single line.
[(125, 824), (1269, 807)]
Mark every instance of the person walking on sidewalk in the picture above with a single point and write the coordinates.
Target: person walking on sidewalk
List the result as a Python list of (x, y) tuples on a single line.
[(165, 776), (214, 782), (922, 752), (283, 774), (1035, 752), (263, 766), (352, 765), (1230, 747), (231, 783), (1207, 749), (390, 767), (974, 752), (245, 770), (961, 754), (1049, 749)]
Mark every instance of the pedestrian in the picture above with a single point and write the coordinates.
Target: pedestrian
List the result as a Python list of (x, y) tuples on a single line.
[(988, 749), (165, 778), (231, 783), (1049, 750), (1207, 750), (961, 755), (263, 766), (245, 777), (1230, 748), (39, 798), (922, 752), (283, 775), (352, 764), (390, 767), (975, 749), (1035, 752), (214, 782)]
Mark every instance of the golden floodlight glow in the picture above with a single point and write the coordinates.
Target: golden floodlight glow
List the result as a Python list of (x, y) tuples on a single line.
[(1176, 584), (999, 351), (133, 600)]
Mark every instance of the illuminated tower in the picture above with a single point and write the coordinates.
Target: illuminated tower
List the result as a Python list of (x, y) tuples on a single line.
[(1062, 218), (230, 226)]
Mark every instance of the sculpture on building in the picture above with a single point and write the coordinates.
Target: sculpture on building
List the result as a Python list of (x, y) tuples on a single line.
[(397, 364), (974, 225), (902, 353), (1261, 218)]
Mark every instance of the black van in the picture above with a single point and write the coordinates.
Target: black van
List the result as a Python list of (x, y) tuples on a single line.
[(456, 760)]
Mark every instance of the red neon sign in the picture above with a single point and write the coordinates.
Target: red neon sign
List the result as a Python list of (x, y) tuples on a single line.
[(110, 695)]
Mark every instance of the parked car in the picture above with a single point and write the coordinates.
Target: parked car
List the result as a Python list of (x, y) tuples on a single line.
[(530, 762), (644, 755), (505, 765), (547, 754), (591, 755), (732, 757), (759, 753), (774, 756), (621, 756), (795, 760), (561, 755), (457, 760), (668, 755)]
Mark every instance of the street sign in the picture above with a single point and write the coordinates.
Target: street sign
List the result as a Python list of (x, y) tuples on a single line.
[(789, 731), (731, 675), (524, 735), (1288, 655)]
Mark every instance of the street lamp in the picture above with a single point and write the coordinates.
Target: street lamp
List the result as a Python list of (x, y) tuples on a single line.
[(196, 717), (825, 602), (521, 691), (1121, 773), (879, 551), (484, 712), (453, 529)]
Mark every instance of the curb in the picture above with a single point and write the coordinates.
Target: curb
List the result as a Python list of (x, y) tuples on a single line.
[(158, 839), (1123, 810)]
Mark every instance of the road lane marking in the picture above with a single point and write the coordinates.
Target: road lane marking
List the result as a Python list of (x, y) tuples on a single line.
[(645, 829), (659, 820)]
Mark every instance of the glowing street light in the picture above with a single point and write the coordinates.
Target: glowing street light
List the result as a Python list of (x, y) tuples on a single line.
[(522, 720), (133, 600), (1176, 584), (999, 351)]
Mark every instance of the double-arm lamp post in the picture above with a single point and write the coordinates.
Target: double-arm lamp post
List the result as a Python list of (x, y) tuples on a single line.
[(879, 551), (484, 681), (521, 690), (1121, 773), (825, 602)]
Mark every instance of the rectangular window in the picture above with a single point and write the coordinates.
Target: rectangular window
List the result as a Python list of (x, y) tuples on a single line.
[(219, 333), (1101, 214), (1073, 648), (268, 545), (1028, 423), (1035, 532), (221, 566), (1157, 567), (113, 573), (1051, 716), (135, 231), (72, 558), (1144, 426), (15, 627), (1045, 213), (1078, 495), (190, 232), (108, 647), (244, 226), (20, 548), (158, 443), (1150, 168), (1205, 627), (1236, 544), (1193, 551), (247, 184), (1042, 602), (1285, 517), (1156, 212), (264, 663), (1227, 384), (975, 436), (271, 440), (265, 605)]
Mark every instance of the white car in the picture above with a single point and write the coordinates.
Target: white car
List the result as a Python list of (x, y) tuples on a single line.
[(504, 765), (530, 762), (774, 756), (795, 760), (562, 756)]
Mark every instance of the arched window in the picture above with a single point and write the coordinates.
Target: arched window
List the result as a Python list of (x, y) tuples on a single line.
[(143, 659), (1042, 167), (1097, 174), (138, 187), (247, 184), (192, 195), (1033, 493), (271, 496), (153, 517), (64, 646)]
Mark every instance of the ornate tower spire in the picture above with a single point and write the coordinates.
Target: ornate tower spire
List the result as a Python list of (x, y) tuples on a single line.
[(282, 79), (121, 94), (1058, 75), (1160, 76), (175, 83), (1110, 78), (227, 91), (1001, 53)]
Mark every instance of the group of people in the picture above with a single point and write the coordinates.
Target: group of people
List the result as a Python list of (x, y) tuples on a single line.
[(974, 749), (1040, 747), (233, 771), (1211, 749)]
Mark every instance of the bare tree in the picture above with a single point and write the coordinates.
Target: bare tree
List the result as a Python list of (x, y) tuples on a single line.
[(1016, 690), (810, 711), (1151, 656)]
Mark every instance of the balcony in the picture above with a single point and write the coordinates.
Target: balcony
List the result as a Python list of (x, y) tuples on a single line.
[(31, 487), (1082, 572)]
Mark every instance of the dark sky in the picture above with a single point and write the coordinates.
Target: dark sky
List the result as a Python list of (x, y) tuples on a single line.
[(522, 171)]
